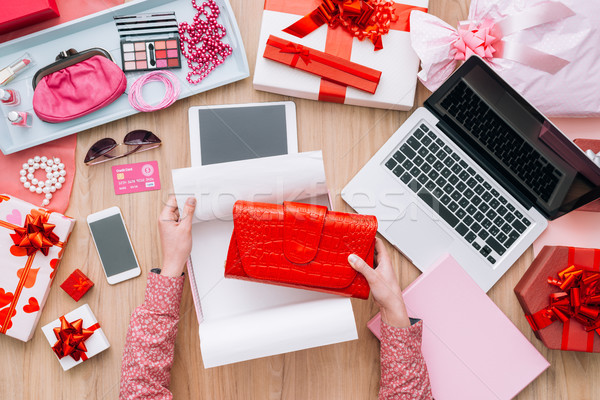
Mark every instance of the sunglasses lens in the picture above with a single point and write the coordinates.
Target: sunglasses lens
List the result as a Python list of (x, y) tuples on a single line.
[(100, 148), (139, 137)]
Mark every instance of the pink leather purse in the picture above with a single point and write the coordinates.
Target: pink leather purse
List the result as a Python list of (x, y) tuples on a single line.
[(77, 84)]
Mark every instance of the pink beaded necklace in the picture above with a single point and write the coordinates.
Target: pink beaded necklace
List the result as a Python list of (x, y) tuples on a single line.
[(205, 50)]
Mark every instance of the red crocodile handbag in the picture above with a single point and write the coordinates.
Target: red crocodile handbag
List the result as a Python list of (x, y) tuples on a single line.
[(300, 245)]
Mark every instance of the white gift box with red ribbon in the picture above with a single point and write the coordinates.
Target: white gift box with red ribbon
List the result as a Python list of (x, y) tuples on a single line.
[(397, 61), (94, 344)]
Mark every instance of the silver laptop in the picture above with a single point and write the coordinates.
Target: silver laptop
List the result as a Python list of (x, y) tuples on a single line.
[(477, 172)]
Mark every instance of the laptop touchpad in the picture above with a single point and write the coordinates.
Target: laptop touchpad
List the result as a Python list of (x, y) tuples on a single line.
[(418, 236)]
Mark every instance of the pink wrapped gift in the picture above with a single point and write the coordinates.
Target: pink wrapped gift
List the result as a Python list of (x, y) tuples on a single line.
[(547, 50), (32, 241), (316, 24)]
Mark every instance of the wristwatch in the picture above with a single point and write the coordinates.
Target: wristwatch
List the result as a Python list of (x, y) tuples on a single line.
[(158, 270)]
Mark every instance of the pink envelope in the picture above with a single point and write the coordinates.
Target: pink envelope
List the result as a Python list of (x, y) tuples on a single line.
[(472, 350)]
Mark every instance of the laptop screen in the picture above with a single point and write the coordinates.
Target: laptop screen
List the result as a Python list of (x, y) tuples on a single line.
[(514, 142)]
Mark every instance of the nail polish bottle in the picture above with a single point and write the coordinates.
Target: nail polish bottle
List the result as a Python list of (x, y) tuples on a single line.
[(9, 97), (20, 118)]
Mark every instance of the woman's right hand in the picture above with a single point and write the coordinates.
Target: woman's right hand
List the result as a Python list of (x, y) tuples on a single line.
[(384, 286)]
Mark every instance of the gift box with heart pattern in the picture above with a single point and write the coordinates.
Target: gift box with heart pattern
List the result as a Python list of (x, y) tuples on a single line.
[(32, 242)]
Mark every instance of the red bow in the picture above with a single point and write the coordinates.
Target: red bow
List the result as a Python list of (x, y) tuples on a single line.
[(579, 299), (36, 234), (82, 284), (299, 52), (362, 18), (71, 338)]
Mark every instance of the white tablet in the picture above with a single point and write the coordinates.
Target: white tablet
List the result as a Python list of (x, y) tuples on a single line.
[(236, 132)]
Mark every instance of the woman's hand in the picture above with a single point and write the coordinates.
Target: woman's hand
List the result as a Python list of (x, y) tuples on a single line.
[(384, 286), (176, 235)]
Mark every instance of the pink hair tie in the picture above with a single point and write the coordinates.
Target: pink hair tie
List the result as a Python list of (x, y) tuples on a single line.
[(171, 95)]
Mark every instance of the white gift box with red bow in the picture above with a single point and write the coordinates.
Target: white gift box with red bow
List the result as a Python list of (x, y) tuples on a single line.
[(397, 61), (94, 340)]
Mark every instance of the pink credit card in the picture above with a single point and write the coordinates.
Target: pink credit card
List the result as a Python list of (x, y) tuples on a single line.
[(138, 177)]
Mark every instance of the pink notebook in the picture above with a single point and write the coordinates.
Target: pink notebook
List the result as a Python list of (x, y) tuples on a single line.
[(472, 350)]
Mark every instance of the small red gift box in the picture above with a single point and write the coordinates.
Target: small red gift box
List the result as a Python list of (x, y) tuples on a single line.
[(335, 69), (560, 294), (77, 284), (21, 13)]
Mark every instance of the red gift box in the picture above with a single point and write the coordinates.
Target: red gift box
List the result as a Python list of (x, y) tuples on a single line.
[(77, 284), (560, 295), (335, 69), (21, 13)]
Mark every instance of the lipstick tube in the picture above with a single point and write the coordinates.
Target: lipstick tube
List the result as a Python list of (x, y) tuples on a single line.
[(9, 73)]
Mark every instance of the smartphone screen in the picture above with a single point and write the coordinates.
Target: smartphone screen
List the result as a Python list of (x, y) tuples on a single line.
[(113, 245)]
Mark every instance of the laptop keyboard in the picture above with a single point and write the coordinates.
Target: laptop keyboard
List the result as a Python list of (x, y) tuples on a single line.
[(501, 140), (457, 193)]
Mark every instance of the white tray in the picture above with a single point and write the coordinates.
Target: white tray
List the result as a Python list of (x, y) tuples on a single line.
[(99, 30)]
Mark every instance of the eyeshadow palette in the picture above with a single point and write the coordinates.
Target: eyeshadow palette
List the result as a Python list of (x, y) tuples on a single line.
[(149, 41), (150, 54)]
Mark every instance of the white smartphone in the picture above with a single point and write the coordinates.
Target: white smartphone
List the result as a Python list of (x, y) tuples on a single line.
[(114, 245)]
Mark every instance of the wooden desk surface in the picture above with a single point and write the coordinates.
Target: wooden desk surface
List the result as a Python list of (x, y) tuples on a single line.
[(348, 136)]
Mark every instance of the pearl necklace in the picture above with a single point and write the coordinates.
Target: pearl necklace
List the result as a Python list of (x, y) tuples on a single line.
[(55, 176), (205, 48)]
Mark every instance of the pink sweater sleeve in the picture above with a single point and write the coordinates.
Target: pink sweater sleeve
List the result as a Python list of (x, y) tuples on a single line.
[(150, 345), (403, 369)]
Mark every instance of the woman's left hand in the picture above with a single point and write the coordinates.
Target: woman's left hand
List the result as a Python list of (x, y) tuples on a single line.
[(176, 235)]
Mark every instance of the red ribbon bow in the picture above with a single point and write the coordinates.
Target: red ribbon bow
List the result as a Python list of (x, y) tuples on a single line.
[(82, 284), (362, 18), (579, 299), (36, 234), (71, 338), (299, 52)]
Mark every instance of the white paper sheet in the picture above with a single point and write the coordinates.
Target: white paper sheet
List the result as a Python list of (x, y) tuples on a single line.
[(242, 320)]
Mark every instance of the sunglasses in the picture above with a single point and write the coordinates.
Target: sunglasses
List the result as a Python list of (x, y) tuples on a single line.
[(107, 149)]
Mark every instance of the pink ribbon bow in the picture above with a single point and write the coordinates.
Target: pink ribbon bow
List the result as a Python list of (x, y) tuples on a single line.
[(474, 39), (440, 46)]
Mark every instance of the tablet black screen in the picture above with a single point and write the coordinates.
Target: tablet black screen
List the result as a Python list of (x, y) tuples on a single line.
[(241, 133)]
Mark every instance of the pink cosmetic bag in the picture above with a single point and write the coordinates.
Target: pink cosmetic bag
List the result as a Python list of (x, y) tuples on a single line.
[(78, 84)]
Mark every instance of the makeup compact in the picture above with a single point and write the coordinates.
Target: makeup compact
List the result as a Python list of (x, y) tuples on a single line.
[(149, 41)]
